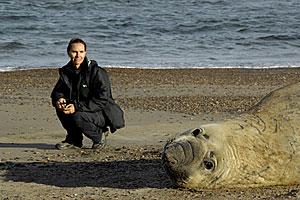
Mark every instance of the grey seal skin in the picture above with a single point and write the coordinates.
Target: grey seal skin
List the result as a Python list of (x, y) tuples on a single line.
[(258, 148)]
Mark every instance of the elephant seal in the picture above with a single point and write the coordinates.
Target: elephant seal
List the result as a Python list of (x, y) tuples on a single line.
[(260, 147)]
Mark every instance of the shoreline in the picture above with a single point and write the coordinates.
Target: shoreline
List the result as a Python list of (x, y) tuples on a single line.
[(272, 67)]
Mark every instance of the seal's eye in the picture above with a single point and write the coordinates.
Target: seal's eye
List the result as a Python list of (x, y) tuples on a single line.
[(208, 164)]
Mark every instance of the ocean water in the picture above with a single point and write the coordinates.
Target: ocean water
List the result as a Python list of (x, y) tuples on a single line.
[(154, 33)]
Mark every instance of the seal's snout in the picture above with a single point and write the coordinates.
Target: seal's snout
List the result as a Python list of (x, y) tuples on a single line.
[(178, 154), (177, 158), (174, 155), (173, 159)]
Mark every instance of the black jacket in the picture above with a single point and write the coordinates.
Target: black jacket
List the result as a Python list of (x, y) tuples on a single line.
[(92, 93)]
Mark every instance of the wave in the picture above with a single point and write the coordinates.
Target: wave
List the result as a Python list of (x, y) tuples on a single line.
[(279, 37), (11, 45), (11, 18)]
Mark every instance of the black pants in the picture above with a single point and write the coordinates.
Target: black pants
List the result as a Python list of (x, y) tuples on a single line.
[(89, 124)]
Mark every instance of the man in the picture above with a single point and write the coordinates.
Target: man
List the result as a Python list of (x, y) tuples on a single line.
[(83, 101)]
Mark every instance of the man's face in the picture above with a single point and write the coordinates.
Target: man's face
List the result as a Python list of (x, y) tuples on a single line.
[(77, 54)]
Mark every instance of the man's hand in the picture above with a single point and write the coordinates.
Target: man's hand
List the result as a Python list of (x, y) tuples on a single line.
[(62, 106), (69, 109)]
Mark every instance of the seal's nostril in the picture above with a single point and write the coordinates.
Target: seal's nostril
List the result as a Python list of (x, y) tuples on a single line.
[(196, 132), (206, 136)]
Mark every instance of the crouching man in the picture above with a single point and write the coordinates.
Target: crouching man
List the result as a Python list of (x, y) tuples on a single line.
[(83, 101)]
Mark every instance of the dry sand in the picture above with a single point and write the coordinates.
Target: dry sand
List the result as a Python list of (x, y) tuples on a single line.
[(157, 105)]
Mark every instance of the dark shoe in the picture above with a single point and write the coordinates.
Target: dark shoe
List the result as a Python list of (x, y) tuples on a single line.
[(98, 145), (64, 145), (102, 143)]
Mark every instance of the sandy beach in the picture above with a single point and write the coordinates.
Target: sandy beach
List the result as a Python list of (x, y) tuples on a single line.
[(157, 104)]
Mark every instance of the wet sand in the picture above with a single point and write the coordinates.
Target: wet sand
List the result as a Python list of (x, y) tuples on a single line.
[(157, 105)]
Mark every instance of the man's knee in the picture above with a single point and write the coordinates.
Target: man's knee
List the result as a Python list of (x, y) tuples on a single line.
[(78, 119)]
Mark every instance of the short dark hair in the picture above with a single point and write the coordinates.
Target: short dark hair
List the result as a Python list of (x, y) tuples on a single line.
[(75, 40)]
